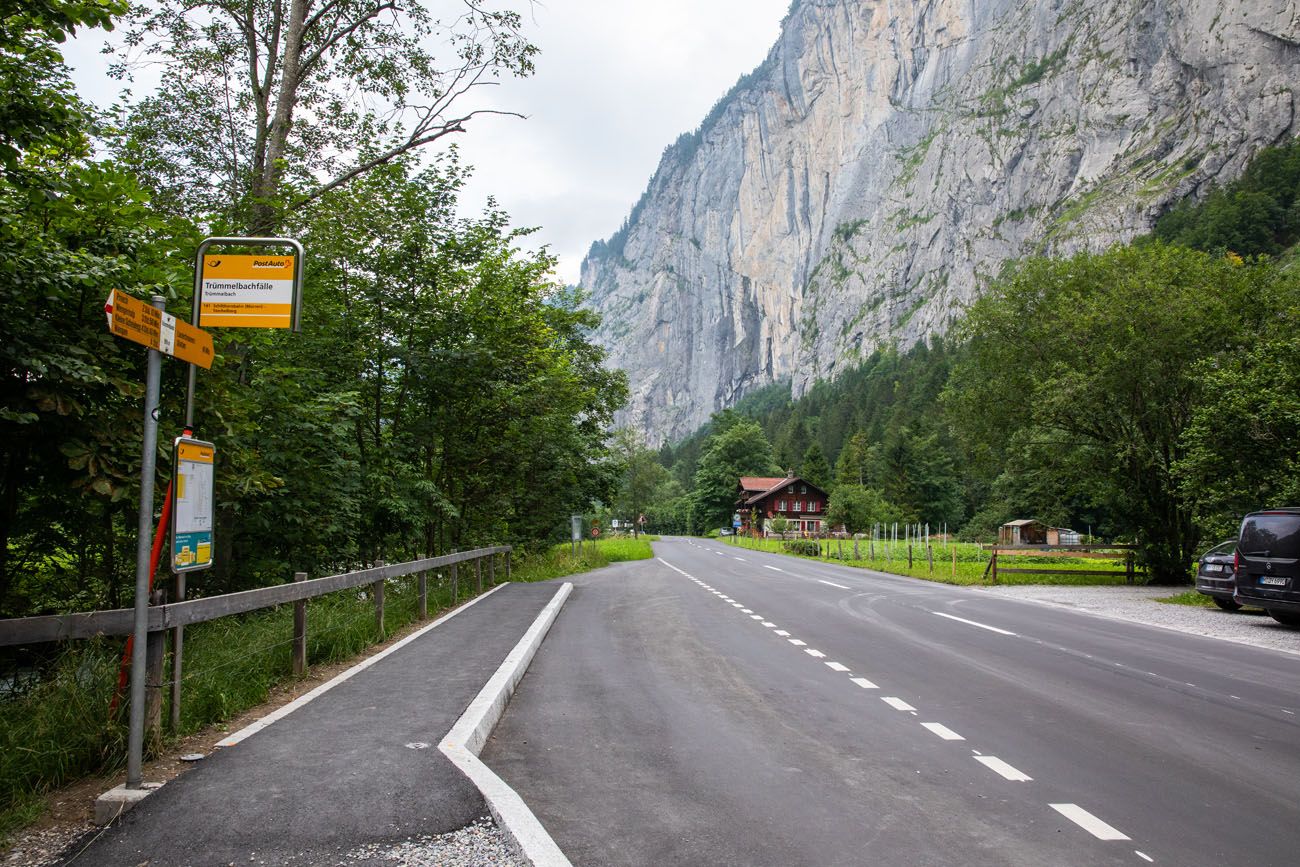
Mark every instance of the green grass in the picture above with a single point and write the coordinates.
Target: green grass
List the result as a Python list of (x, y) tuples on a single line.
[(1191, 597), (970, 568), (60, 730)]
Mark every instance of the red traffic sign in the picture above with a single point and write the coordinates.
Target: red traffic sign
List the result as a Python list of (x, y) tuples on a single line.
[(595, 531)]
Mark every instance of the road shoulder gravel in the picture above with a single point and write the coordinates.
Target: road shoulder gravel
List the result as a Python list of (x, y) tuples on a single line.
[(1139, 605)]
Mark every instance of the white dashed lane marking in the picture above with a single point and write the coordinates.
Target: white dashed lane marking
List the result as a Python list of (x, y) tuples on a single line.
[(1088, 822), (973, 623), (1081, 817), (998, 766), (942, 731), (741, 559)]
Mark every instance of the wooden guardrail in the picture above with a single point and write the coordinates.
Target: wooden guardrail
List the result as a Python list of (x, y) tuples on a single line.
[(63, 627), (175, 616)]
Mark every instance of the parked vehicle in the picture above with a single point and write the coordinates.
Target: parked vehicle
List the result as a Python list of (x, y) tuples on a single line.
[(1268, 563), (1216, 575)]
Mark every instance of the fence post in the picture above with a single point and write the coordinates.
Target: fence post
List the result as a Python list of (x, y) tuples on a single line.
[(178, 658), (954, 561), (1128, 567), (378, 588), (929, 555), (478, 573), (507, 566), (492, 569), (424, 595), (856, 556), (299, 630), (455, 582), (994, 563), (909, 555)]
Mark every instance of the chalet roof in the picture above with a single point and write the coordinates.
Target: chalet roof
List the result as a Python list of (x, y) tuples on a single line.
[(752, 484), (776, 485), (1023, 522)]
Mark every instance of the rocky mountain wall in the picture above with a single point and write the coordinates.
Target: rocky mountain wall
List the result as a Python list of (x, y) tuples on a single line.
[(864, 183)]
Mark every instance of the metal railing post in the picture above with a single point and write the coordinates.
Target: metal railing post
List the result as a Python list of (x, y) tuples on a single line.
[(424, 595), (178, 657)]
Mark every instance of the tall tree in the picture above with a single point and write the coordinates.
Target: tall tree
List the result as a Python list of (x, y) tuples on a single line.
[(739, 449), (1097, 355), (266, 105), (854, 466), (813, 467), (642, 477)]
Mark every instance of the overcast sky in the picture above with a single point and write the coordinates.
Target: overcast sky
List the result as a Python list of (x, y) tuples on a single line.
[(616, 82)]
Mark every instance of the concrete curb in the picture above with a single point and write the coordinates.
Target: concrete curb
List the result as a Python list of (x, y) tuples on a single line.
[(470, 733)]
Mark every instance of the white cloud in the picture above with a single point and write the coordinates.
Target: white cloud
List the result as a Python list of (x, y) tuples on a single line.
[(616, 82)]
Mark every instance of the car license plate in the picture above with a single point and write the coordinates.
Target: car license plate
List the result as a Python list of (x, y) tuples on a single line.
[(1275, 580)]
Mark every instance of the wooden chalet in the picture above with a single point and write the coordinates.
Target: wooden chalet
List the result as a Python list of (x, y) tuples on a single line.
[(759, 498)]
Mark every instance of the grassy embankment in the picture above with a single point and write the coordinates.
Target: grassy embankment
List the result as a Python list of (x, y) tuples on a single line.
[(59, 730), (970, 565)]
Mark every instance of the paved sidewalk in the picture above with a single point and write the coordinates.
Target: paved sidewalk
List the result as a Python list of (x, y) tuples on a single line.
[(359, 765)]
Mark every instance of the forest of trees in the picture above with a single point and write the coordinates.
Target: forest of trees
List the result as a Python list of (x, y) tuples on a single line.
[(443, 392), (1147, 392)]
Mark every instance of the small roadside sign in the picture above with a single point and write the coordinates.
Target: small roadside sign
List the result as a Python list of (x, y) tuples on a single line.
[(248, 291), (595, 531), (192, 508), (142, 323)]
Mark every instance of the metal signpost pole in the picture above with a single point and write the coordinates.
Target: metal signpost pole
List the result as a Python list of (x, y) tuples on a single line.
[(149, 450)]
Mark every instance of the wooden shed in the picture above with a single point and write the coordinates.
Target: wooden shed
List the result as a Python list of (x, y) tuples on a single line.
[(1027, 531)]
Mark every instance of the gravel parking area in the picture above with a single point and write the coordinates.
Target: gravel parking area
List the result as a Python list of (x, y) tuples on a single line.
[(1137, 604)]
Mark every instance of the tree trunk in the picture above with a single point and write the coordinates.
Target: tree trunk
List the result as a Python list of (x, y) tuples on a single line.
[(265, 215)]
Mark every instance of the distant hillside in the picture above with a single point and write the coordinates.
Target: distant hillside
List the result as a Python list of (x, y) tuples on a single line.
[(859, 188)]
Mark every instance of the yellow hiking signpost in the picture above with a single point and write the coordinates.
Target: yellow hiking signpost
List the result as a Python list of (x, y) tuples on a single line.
[(141, 323)]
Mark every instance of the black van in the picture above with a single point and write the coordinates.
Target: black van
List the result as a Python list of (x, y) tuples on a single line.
[(1268, 563)]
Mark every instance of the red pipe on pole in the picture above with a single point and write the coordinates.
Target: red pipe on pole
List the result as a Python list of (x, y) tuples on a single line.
[(155, 554)]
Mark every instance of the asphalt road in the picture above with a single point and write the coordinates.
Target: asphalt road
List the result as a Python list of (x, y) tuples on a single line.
[(722, 706)]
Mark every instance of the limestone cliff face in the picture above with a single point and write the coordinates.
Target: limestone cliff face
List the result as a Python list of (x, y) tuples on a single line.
[(864, 182)]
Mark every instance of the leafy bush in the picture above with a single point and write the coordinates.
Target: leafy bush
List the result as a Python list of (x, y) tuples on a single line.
[(802, 547)]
